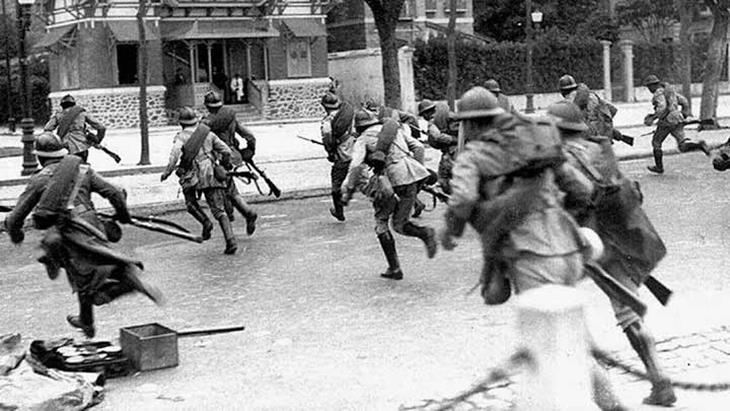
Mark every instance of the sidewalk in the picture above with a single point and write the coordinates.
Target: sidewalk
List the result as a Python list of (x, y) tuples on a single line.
[(298, 167)]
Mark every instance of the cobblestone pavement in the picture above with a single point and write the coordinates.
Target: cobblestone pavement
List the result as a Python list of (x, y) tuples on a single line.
[(324, 332)]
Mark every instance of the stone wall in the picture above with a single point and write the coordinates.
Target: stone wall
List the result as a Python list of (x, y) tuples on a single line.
[(118, 107), (295, 98)]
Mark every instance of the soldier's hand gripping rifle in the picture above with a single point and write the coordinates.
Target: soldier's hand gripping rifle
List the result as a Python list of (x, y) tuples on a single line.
[(273, 189), (93, 140)]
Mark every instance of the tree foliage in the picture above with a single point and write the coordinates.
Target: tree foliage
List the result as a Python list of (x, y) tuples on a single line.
[(504, 19), (652, 19)]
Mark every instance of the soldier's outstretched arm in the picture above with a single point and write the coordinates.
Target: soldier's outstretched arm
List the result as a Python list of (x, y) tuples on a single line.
[(465, 181), (359, 150), (247, 136), (27, 200), (96, 125), (416, 147), (51, 124), (578, 188)]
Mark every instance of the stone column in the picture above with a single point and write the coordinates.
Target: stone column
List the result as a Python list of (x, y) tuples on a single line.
[(607, 92), (552, 329), (627, 48)]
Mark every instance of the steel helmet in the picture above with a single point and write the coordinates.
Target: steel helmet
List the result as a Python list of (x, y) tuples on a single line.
[(48, 145), (567, 82), (330, 101), (212, 99), (364, 118), (187, 116), (425, 105), (477, 102), (492, 86), (651, 79), (569, 116), (67, 101)]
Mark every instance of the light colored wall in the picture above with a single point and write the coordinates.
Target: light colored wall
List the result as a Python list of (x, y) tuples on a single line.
[(360, 75)]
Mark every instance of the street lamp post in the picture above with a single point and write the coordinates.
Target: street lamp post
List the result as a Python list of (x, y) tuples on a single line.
[(30, 163), (531, 17)]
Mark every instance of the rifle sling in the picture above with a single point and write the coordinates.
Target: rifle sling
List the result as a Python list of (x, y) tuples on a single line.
[(64, 125), (192, 146)]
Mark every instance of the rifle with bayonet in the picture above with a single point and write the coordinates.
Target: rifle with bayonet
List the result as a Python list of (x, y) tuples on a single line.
[(273, 189), (93, 141), (444, 198), (684, 123), (317, 142)]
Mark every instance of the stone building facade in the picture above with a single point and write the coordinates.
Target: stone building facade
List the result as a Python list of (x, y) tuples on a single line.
[(351, 25), (193, 47)]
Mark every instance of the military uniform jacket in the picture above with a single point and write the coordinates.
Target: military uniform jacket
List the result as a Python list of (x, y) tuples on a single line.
[(667, 103), (225, 125), (403, 163), (201, 173), (617, 216), (343, 143), (75, 138)]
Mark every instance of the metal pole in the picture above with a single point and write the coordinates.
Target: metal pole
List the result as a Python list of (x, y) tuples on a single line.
[(29, 160), (9, 101), (529, 106)]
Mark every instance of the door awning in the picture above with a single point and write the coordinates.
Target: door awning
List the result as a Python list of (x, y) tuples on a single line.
[(305, 27), (211, 30), (127, 30), (53, 36)]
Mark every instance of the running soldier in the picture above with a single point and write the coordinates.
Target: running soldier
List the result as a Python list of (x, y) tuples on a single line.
[(199, 151), (222, 121), (71, 122), (441, 137), (507, 183), (633, 248), (59, 195), (337, 138), (397, 162), (670, 120), (503, 100)]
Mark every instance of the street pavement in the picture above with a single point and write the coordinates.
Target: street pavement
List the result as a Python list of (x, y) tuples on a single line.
[(323, 331)]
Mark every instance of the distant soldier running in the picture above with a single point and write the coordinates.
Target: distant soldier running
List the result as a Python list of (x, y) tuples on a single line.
[(60, 197), (396, 159), (441, 137), (670, 120), (198, 150), (222, 121), (71, 124), (493, 86), (633, 248), (337, 136)]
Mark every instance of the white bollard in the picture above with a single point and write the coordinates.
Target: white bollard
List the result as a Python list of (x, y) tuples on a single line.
[(552, 329)]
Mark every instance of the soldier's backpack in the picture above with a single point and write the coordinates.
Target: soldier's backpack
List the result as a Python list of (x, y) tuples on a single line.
[(60, 192)]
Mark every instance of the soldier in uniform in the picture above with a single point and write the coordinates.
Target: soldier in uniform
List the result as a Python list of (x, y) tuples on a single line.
[(568, 87), (503, 100), (534, 241), (670, 120), (440, 137), (59, 195), (222, 121), (337, 136), (633, 248), (199, 152), (71, 123), (397, 162)]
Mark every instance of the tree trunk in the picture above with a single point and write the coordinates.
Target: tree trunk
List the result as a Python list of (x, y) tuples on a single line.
[(451, 51), (685, 53), (713, 66), (144, 158), (391, 70)]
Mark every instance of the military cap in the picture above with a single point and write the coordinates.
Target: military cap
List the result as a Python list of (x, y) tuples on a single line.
[(492, 86), (477, 102), (187, 116), (651, 79), (212, 99), (568, 115), (567, 82), (425, 105), (364, 118), (330, 101), (48, 145)]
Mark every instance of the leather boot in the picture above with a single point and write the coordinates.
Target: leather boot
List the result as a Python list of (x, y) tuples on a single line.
[(85, 319), (426, 234), (659, 163), (198, 214), (246, 211), (642, 342), (387, 243), (337, 210), (227, 228)]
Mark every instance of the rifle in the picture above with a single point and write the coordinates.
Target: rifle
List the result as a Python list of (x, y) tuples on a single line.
[(273, 189), (659, 290), (444, 198), (5, 209), (158, 225), (91, 137), (311, 140), (613, 288)]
